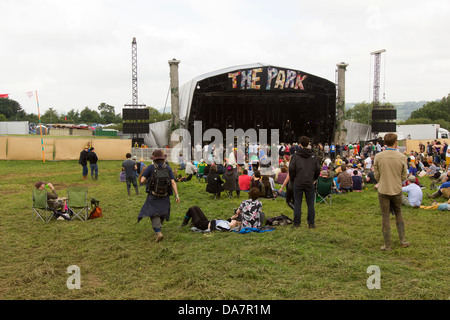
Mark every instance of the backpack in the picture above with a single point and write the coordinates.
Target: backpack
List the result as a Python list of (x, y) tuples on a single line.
[(160, 181), (278, 221), (96, 213)]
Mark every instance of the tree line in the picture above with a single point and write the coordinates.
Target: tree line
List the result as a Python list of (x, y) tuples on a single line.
[(11, 110), (437, 112)]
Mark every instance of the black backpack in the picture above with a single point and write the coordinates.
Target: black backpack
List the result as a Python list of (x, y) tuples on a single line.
[(159, 182), (278, 221)]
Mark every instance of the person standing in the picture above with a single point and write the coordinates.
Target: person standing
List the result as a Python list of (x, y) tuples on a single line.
[(83, 161), (159, 177), (130, 167), (332, 151), (390, 171), (304, 169), (326, 150), (92, 158)]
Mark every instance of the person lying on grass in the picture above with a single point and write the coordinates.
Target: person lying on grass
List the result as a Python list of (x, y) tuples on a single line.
[(203, 224), (248, 215)]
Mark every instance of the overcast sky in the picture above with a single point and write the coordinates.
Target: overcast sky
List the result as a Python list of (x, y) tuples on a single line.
[(78, 53)]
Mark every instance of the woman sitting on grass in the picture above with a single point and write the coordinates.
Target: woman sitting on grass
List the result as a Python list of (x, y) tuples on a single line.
[(214, 182), (250, 211)]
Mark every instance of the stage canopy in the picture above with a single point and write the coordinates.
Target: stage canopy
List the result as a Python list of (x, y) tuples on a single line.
[(261, 96)]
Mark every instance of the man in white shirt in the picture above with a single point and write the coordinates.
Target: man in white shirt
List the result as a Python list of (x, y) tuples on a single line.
[(378, 147), (367, 164), (198, 151), (415, 194), (191, 169)]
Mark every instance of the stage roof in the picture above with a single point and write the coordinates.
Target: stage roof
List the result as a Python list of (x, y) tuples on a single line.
[(187, 90)]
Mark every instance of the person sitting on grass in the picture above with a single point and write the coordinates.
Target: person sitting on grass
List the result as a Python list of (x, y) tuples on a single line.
[(415, 194), (357, 181), (250, 211), (231, 182), (444, 190), (267, 189), (344, 180), (191, 169), (214, 182), (244, 181)]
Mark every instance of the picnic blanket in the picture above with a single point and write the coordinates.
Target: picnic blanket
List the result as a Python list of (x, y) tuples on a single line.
[(249, 229)]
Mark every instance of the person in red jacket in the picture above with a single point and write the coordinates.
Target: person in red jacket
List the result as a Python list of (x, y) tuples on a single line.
[(244, 181)]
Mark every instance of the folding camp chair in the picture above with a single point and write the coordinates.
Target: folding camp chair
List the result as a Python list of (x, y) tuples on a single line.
[(324, 189), (77, 202), (41, 209)]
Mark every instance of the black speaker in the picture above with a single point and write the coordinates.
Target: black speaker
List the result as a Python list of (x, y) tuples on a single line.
[(135, 127), (135, 114), (384, 126), (384, 114)]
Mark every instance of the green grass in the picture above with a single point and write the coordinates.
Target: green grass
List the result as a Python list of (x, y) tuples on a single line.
[(119, 260)]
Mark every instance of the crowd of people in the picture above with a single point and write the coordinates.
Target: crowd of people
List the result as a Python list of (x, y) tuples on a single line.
[(248, 170), (353, 168)]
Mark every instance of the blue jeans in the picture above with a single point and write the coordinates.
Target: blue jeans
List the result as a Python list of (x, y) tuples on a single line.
[(85, 170), (94, 170), (309, 192)]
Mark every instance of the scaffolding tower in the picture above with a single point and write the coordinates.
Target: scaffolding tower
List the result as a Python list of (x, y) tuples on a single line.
[(376, 77)]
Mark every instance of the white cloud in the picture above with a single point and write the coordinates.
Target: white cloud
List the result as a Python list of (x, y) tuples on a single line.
[(78, 53)]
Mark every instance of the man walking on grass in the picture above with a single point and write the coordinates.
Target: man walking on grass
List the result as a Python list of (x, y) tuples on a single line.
[(390, 171), (304, 169), (130, 168)]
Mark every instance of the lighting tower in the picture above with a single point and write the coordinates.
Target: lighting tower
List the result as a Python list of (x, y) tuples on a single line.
[(134, 80), (383, 117), (134, 71), (136, 117), (376, 77)]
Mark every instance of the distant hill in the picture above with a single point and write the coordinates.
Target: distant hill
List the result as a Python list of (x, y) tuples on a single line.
[(404, 109), (168, 109)]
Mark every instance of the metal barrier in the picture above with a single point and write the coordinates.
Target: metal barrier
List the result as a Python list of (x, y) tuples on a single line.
[(145, 153)]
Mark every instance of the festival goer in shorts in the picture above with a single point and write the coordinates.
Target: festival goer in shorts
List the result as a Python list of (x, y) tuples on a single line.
[(54, 202)]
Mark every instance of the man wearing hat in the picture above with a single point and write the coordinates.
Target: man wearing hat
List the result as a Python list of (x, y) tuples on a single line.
[(157, 207), (415, 194), (92, 158), (130, 167)]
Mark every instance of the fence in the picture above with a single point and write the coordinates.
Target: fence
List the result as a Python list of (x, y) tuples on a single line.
[(25, 148)]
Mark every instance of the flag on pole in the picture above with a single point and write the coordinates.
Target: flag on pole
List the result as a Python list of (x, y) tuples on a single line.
[(40, 127)]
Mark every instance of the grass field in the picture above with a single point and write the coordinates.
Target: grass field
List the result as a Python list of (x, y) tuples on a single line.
[(119, 260)]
